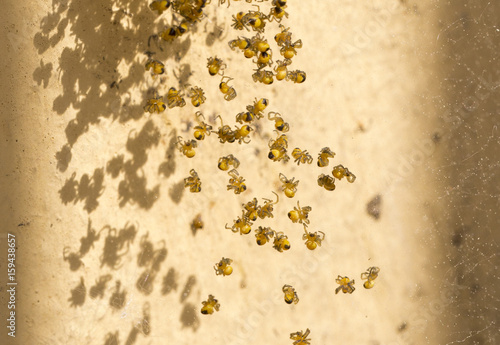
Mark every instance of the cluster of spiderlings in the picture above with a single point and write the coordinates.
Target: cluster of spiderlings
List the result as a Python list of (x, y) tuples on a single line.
[(301, 215), (258, 47), (226, 134), (216, 67), (338, 172)]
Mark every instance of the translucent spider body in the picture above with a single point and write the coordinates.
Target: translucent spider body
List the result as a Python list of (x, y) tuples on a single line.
[(197, 96), (240, 21), (225, 162), (187, 147), (263, 235), (290, 294), (281, 242), (215, 66), (279, 123), (370, 275), (174, 98), (159, 6), (297, 76), (193, 182), (263, 76), (202, 129), (340, 171), (242, 134), (301, 156), (289, 49), (327, 182), (256, 20), (258, 107), (324, 155), (346, 285), (300, 214), (313, 239), (251, 209), (278, 149), (264, 59), (281, 69), (259, 44), (240, 43), (267, 209), (223, 267), (225, 133), (245, 116), (242, 224), (228, 91), (277, 13), (210, 305), (284, 37), (236, 182), (155, 104), (155, 66), (289, 187), (300, 338)]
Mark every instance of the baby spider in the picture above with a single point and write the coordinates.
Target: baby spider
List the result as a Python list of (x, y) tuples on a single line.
[(225, 162), (263, 76), (215, 66), (251, 209), (301, 156), (263, 235), (240, 21), (197, 96), (155, 104), (290, 294), (256, 19), (259, 44), (370, 275), (187, 147), (193, 182), (202, 129), (245, 116), (197, 224), (171, 33), (242, 225), (278, 149), (281, 242), (289, 186), (228, 91), (160, 6), (300, 214), (279, 123), (242, 133), (277, 13), (155, 66), (258, 107), (300, 338), (236, 182), (210, 305), (346, 285), (267, 209), (327, 182), (241, 43), (284, 37), (340, 171), (313, 239), (174, 98), (223, 267), (288, 49), (264, 59), (225, 133), (281, 69), (296, 76), (324, 155)]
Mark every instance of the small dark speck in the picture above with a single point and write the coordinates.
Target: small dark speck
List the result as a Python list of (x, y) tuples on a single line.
[(474, 288), (243, 284), (436, 137), (373, 207), (403, 326), (24, 224), (457, 238)]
